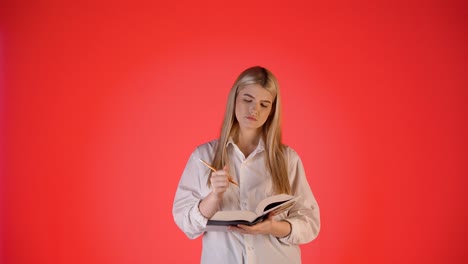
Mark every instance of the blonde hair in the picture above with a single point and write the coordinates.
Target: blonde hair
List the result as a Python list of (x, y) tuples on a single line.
[(271, 131)]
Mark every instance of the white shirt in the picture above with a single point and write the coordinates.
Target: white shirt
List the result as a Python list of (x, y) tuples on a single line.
[(255, 184)]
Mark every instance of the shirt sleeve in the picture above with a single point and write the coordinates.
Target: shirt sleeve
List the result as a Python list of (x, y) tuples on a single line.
[(188, 196), (304, 217)]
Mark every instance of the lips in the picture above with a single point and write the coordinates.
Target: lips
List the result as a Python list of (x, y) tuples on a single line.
[(251, 118)]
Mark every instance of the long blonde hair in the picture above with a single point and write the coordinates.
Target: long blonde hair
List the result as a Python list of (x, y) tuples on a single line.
[(271, 131)]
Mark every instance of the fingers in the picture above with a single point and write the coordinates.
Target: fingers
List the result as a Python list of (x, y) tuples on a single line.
[(220, 181), (220, 175), (245, 229)]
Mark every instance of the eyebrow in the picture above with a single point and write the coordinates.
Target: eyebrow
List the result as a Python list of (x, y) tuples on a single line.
[(251, 96)]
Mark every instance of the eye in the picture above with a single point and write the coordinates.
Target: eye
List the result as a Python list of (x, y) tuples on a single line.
[(264, 105), (247, 100)]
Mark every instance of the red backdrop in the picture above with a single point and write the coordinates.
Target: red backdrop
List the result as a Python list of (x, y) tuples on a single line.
[(102, 104)]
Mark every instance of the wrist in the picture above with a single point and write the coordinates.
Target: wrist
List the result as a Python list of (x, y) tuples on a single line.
[(210, 205), (218, 197)]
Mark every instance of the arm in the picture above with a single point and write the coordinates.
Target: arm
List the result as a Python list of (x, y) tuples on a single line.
[(219, 184), (195, 202), (304, 216), (189, 194)]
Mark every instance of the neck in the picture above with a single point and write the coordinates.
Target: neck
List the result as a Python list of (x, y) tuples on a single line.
[(247, 141)]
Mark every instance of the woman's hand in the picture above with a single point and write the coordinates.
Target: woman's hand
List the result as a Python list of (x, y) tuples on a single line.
[(269, 226), (219, 184)]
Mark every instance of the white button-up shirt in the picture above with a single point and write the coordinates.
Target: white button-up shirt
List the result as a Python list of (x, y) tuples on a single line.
[(255, 184)]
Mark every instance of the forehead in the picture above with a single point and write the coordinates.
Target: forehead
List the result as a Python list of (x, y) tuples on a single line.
[(257, 91)]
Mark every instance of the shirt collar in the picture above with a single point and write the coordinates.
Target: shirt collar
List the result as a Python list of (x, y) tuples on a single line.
[(260, 146)]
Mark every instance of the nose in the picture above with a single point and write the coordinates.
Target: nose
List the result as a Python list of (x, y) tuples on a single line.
[(254, 109)]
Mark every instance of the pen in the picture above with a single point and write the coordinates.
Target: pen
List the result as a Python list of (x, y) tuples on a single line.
[(213, 169)]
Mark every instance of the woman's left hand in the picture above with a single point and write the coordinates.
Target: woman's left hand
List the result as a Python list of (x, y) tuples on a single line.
[(269, 226)]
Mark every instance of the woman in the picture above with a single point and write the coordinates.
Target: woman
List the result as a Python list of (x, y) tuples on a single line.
[(249, 152)]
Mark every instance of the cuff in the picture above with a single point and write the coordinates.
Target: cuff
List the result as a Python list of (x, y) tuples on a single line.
[(200, 220), (285, 239)]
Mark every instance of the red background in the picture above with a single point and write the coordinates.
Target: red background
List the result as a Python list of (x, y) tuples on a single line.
[(102, 104)]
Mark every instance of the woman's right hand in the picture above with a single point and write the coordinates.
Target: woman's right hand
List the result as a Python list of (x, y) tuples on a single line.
[(220, 182)]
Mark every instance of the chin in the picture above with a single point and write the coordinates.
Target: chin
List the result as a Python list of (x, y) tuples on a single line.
[(252, 127)]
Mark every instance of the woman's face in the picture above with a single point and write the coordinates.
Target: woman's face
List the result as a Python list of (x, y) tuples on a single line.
[(253, 106)]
